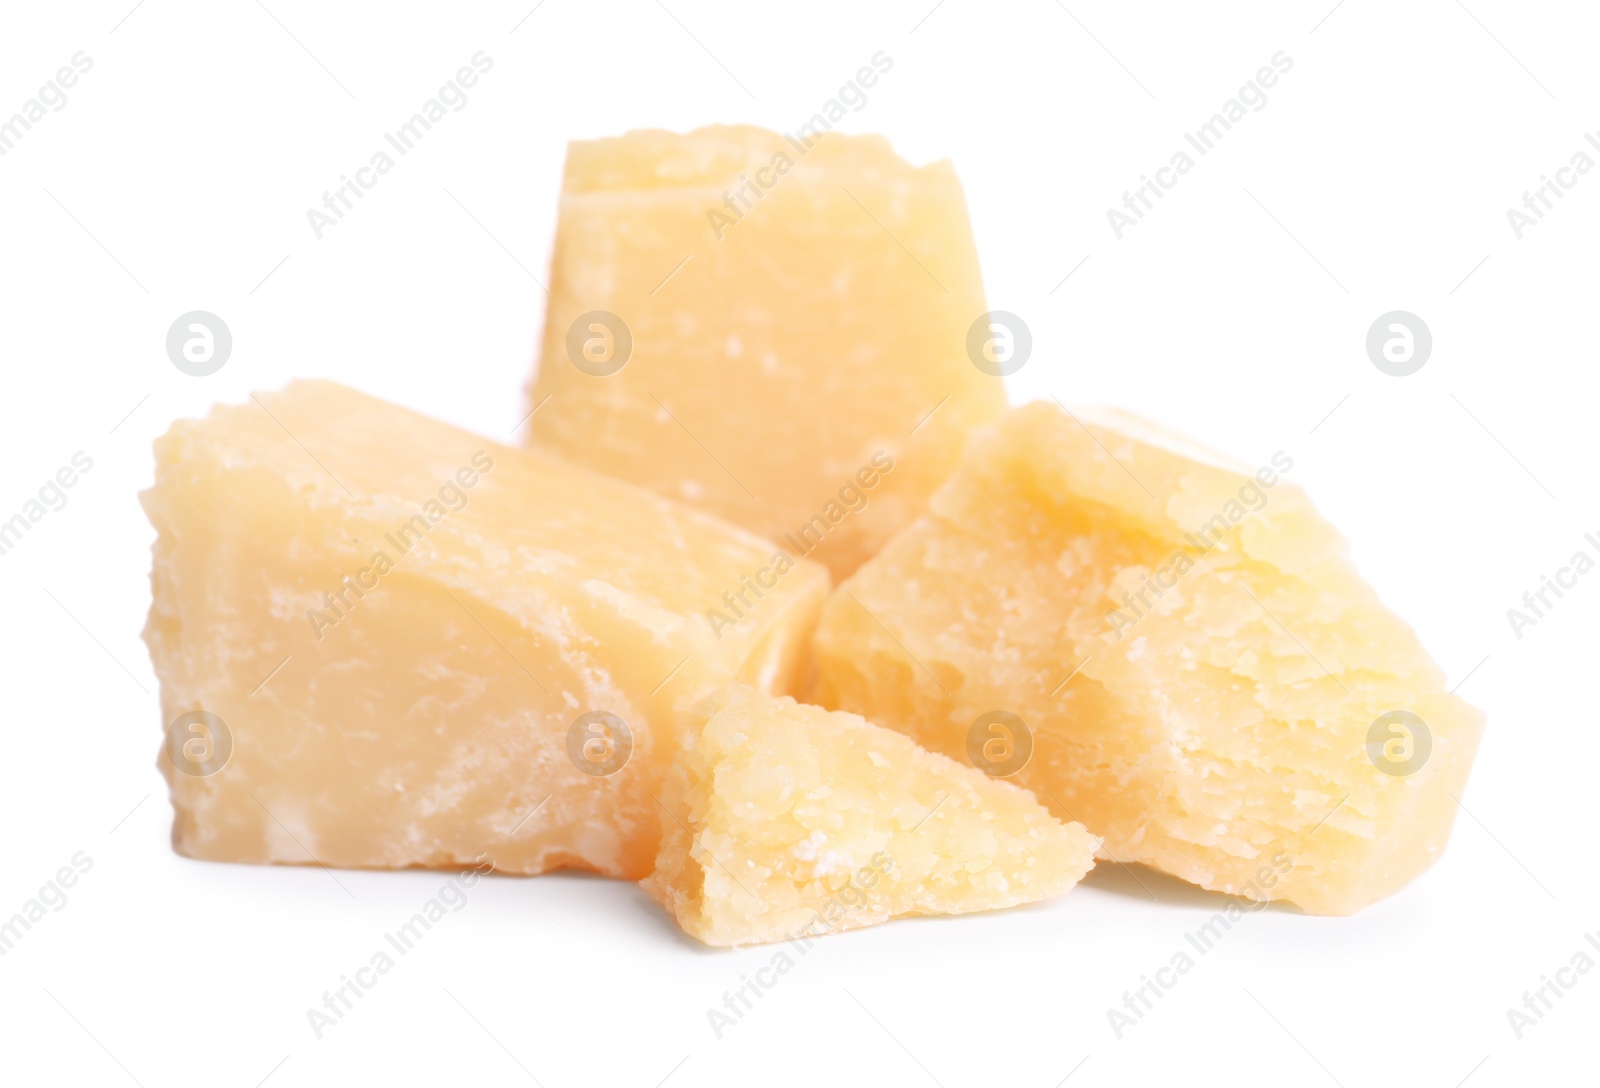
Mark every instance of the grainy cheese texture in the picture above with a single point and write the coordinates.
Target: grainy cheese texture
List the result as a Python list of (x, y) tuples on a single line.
[(398, 622), (796, 310), (791, 822), (1199, 663)]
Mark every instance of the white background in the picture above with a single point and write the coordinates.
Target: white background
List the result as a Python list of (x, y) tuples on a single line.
[(1376, 178)]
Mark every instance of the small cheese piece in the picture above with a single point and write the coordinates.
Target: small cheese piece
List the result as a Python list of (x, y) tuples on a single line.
[(1206, 681), (417, 646), (790, 822), (790, 317)]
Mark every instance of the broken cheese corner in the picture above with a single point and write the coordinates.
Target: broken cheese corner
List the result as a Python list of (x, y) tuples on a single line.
[(1207, 681), (409, 646), (791, 821)]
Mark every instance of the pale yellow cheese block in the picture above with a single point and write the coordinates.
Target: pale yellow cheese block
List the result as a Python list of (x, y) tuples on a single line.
[(789, 331), (1197, 662), (790, 822), (419, 713)]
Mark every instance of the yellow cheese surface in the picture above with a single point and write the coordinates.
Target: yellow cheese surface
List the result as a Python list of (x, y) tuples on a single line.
[(1199, 665), (790, 822), (796, 310), (399, 622)]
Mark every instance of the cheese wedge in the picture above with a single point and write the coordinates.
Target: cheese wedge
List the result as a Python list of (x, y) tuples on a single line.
[(789, 822), (385, 642), (1205, 680), (775, 329)]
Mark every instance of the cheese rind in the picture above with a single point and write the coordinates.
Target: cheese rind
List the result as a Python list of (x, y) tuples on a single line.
[(791, 333), (790, 821), (399, 624), (1198, 662)]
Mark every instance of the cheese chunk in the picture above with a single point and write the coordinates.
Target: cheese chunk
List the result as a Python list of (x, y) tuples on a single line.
[(790, 822), (785, 314), (1207, 682), (419, 644)]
